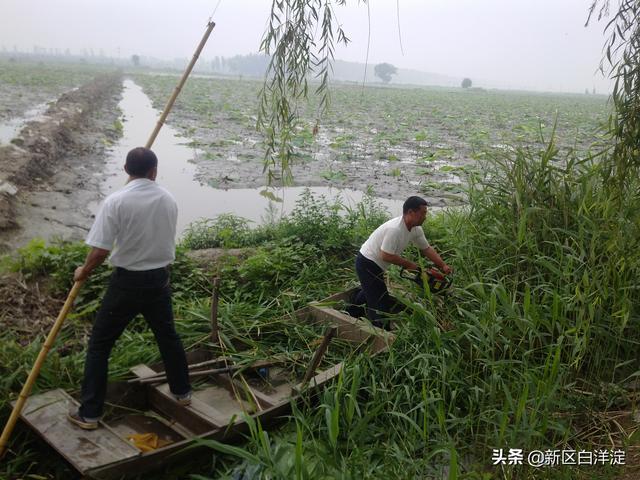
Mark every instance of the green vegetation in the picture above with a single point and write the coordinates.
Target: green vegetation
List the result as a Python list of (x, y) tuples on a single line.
[(538, 339), (367, 126), (43, 76), (415, 119), (541, 338), (23, 85)]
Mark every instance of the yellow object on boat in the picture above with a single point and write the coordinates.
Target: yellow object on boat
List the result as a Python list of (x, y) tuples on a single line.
[(147, 442)]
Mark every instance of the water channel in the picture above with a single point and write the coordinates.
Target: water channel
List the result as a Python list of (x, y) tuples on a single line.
[(176, 172)]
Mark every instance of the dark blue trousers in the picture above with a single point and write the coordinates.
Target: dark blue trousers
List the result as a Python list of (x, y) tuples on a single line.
[(131, 293), (374, 291)]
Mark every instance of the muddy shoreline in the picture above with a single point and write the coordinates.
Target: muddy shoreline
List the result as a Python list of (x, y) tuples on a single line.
[(51, 172)]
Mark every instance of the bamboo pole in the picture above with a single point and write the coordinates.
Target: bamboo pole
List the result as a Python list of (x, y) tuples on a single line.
[(35, 370), (176, 91)]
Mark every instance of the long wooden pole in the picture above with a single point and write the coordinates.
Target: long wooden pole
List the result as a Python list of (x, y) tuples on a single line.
[(35, 370), (186, 73)]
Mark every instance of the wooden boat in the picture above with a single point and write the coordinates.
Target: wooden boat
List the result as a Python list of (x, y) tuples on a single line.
[(143, 406)]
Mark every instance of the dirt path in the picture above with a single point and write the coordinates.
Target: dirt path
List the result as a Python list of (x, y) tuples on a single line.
[(50, 174)]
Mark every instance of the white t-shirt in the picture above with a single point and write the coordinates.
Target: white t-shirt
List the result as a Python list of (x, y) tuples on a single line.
[(138, 224), (392, 237)]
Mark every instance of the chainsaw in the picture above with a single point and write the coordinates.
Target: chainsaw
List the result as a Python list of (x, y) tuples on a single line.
[(437, 282)]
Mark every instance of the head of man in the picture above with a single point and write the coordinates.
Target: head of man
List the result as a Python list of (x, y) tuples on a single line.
[(414, 211), (141, 163)]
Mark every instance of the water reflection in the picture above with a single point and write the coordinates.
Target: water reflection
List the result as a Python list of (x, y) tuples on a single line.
[(176, 172)]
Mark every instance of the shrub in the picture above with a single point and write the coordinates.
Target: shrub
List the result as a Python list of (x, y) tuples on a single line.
[(224, 231), (329, 225)]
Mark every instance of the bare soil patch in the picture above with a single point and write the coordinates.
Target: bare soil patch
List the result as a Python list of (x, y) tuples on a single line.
[(26, 307)]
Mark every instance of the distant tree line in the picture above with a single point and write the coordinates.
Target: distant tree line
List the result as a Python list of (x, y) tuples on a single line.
[(254, 65)]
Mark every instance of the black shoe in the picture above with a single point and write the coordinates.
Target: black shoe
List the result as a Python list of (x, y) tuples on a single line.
[(354, 295), (353, 309), (356, 311), (82, 422)]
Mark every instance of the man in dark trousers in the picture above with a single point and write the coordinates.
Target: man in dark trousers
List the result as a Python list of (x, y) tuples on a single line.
[(137, 225), (383, 248)]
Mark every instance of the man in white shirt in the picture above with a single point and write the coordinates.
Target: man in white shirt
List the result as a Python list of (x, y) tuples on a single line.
[(137, 225), (383, 248)]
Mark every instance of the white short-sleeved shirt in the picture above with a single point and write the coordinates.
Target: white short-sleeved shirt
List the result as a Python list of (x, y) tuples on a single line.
[(138, 225), (392, 237)]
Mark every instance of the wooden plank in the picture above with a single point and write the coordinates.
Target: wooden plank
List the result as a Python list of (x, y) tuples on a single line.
[(266, 400), (279, 385), (222, 396), (337, 297), (195, 369), (197, 420), (179, 414), (176, 427), (320, 379), (202, 405), (162, 378), (84, 449), (142, 371), (209, 412), (352, 329), (193, 356)]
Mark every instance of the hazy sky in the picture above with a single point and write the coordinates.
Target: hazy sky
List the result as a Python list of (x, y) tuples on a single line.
[(540, 44)]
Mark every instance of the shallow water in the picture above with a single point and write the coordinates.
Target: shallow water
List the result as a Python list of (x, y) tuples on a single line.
[(11, 128), (176, 172)]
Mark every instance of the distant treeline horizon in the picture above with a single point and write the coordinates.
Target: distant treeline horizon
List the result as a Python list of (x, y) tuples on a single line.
[(255, 65)]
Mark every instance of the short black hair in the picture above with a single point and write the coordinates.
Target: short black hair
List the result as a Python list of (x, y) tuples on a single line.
[(140, 161), (413, 203)]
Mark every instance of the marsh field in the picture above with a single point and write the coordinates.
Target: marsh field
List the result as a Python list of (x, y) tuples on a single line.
[(399, 141), (535, 348)]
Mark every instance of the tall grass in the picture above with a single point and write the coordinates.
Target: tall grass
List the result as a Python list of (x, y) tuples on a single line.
[(545, 332)]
